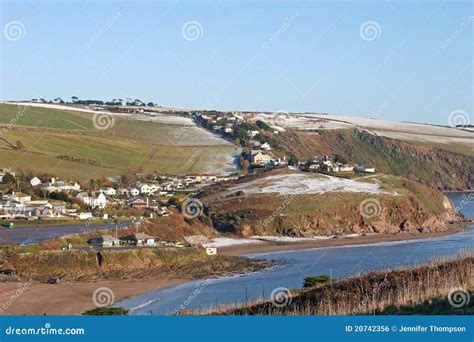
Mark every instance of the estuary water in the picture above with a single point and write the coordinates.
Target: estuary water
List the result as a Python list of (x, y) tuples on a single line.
[(338, 262)]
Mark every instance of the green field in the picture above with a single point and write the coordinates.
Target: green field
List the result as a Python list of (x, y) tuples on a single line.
[(66, 144)]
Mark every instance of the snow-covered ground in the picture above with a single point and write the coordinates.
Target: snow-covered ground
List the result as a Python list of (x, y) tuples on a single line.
[(391, 129), (306, 183), (261, 239), (224, 242)]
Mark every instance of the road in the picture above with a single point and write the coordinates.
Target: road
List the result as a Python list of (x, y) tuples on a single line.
[(38, 233)]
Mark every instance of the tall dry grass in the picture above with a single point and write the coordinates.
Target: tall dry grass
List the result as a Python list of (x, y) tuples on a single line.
[(368, 293)]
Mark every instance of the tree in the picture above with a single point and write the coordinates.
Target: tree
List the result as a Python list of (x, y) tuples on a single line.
[(150, 104), (293, 160), (8, 178), (74, 99), (19, 145), (317, 280), (245, 164), (262, 125)]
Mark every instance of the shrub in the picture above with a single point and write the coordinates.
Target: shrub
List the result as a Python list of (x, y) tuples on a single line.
[(106, 311), (317, 280)]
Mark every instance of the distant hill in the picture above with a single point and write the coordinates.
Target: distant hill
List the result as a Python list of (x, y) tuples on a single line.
[(303, 204), (74, 145)]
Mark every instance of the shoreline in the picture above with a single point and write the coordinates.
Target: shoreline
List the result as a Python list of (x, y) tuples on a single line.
[(272, 246), (74, 298)]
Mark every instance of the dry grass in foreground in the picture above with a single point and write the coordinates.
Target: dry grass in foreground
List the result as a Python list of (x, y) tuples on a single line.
[(421, 290)]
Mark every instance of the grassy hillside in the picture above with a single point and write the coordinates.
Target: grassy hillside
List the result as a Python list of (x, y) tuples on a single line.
[(434, 164), (383, 292), (415, 208), (67, 144)]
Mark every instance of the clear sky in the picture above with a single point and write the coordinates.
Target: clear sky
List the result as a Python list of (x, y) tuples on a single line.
[(400, 60)]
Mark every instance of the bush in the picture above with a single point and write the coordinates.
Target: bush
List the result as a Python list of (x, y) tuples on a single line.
[(317, 280), (107, 311)]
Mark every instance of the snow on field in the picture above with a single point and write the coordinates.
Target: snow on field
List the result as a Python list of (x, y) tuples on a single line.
[(263, 239), (312, 121), (305, 183), (290, 239), (224, 242)]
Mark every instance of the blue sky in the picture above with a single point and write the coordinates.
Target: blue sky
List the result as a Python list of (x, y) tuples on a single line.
[(292, 56)]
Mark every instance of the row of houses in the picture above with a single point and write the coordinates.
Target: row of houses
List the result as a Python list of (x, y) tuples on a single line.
[(20, 206), (337, 167), (135, 239)]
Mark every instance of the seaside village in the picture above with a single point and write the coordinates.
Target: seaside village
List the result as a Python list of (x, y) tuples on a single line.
[(47, 198), (259, 140), (52, 199)]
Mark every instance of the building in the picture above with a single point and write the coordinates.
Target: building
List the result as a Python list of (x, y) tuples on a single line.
[(105, 241), (35, 181), (211, 250), (363, 168), (109, 191), (99, 201), (136, 202), (260, 158), (138, 239)]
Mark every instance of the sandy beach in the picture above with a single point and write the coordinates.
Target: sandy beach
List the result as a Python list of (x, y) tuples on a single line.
[(68, 298), (271, 246), (73, 298)]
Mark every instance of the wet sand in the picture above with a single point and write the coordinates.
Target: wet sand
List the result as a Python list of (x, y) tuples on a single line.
[(267, 247), (69, 298)]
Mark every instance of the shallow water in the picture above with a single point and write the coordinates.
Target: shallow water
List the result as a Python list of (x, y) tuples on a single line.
[(339, 262)]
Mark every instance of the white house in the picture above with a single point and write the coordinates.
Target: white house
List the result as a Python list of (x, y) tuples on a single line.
[(99, 201), (363, 168), (144, 188), (35, 181), (109, 191), (266, 146), (85, 216), (134, 191), (211, 250), (260, 158)]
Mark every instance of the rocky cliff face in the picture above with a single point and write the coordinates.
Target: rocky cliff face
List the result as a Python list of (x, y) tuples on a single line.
[(433, 166), (415, 209)]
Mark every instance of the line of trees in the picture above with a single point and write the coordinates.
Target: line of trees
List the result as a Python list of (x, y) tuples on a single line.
[(114, 102)]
